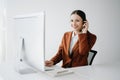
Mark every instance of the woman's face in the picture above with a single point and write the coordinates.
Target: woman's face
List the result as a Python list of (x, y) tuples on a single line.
[(76, 22)]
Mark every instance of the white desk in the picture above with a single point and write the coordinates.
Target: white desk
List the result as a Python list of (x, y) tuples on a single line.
[(94, 72)]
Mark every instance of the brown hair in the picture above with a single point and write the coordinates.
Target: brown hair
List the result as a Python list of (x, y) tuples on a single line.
[(80, 13)]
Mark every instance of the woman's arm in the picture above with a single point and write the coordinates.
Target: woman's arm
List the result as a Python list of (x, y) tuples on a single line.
[(86, 42)]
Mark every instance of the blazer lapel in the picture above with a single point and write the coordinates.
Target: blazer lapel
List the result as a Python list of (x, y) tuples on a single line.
[(68, 42), (75, 48)]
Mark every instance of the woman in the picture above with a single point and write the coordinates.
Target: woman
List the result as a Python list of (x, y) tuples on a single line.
[(75, 44)]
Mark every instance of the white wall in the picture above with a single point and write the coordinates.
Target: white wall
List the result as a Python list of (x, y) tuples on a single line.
[(1, 25), (2, 30), (103, 17)]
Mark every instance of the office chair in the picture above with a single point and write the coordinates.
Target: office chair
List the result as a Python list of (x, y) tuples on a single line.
[(91, 56)]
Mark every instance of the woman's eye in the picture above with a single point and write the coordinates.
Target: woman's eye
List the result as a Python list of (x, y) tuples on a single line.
[(71, 20), (77, 21)]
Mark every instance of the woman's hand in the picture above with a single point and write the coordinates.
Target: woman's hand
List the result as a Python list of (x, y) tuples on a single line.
[(85, 27), (49, 63)]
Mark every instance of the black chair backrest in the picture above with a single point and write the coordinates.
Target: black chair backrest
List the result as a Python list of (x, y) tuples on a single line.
[(91, 56)]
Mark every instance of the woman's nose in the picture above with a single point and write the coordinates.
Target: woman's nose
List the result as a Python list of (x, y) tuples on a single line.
[(74, 23)]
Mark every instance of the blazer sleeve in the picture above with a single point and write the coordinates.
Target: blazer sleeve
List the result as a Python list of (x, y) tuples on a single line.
[(58, 56), (86, 42)]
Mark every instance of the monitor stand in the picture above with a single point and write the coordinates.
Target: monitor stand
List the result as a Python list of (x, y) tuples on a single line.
[(21, 66), (25, 69)]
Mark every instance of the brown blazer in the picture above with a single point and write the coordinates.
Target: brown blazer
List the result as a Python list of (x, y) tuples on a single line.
[(79, 52)]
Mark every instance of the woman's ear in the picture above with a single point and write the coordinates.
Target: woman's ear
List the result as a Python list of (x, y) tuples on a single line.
[(83, 24)]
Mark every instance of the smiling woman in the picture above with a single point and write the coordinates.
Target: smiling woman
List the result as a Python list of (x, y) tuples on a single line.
[(75, 44)]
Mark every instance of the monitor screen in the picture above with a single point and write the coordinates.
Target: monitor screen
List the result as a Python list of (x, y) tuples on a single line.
[(30, 38)]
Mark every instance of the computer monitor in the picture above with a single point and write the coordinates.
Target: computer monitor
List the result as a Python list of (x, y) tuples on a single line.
[(30, 39)]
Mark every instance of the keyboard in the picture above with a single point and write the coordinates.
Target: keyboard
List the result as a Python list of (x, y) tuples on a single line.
[(59, 72)]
